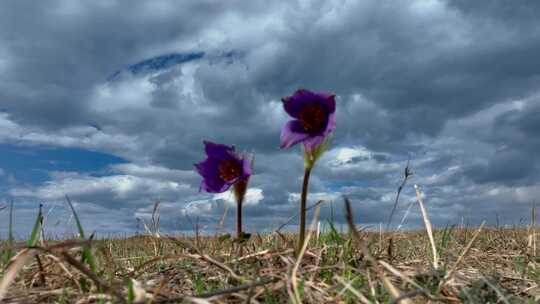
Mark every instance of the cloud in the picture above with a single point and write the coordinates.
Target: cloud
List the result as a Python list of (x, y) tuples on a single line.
[(452, 85), (253, 197)]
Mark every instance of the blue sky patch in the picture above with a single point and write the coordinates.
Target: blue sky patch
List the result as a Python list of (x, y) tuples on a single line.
[(32, 164), (158, 63)]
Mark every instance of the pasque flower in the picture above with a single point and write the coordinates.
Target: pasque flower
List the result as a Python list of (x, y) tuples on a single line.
[(222, 169), (314, 120)]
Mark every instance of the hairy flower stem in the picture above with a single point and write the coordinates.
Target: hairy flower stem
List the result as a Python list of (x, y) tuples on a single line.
[(301, 235), (239, 192), (239, 220)]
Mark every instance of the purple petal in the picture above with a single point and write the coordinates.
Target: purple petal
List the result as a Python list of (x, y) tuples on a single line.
[(290, 137), (246, 167), (313, 142), (209, 170), (330, 125), (328, 100), (210, 187), (218, 151), (294, 104)]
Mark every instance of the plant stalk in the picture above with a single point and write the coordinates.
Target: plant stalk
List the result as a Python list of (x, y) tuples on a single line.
[(239, 192), (303, 199), (239, 220)]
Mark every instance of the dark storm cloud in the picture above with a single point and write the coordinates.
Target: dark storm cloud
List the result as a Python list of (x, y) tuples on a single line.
[(58, 50), (421, 71), (435, 81)]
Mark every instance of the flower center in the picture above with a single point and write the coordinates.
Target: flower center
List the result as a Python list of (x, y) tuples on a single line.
[(313, 118), (229, 170)]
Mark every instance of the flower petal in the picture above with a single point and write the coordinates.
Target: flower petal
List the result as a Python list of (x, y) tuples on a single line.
[(218, 151), (313, 142), (330, 125), (246, 167), (295, 103), (290, 136), (209, 170), (209, 187), (329, 101)]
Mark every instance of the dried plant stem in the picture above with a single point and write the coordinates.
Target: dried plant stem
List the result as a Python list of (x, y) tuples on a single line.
[(296, 215), (14, 266), (428, 227), (301, 253), (394, 292), (355, 292), (221, 292), (531, 242), (92, 276), (406, 176), (450, 273), (303, 200)]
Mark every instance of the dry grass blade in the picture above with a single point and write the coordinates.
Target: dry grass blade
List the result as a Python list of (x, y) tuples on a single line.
[(404, 278), (406, 176), (140, 295), (156, 217), (219, 227), (499, 293), (394, 292), (450, 273), (355, 292), (222, 292), (296, 266), (428, 227), (208, 259), (290, 219), (15, 265), (231, 272), (92, 276), (531, 242)]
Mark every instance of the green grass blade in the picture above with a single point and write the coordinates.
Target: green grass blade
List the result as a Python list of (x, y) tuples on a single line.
[(87, 255), (9, 250), (77, 221), (10, 228), (37, 227)]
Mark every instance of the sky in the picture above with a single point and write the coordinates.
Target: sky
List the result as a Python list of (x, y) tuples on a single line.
[(108, 102)]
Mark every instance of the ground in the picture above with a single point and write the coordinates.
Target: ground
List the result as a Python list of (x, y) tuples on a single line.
[(497, 265)]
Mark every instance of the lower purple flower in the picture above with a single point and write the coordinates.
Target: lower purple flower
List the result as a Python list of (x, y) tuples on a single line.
[(314, 119), (222, 168)]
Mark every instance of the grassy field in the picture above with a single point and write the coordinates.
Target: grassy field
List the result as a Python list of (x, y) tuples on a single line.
[(452, 265)]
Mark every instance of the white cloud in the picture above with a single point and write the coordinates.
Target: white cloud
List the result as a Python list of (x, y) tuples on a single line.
[(113, 188), (294, 198), (410, 79), (253, 197)]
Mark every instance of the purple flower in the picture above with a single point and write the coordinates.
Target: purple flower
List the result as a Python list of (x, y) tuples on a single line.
[(222, 168), (314, 119)]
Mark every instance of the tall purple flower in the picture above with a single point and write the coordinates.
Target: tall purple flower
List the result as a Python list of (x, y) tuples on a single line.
[(222, 169), (314, 119)]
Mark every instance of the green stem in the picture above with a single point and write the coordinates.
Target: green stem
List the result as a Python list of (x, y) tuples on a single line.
[(303, 207)]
